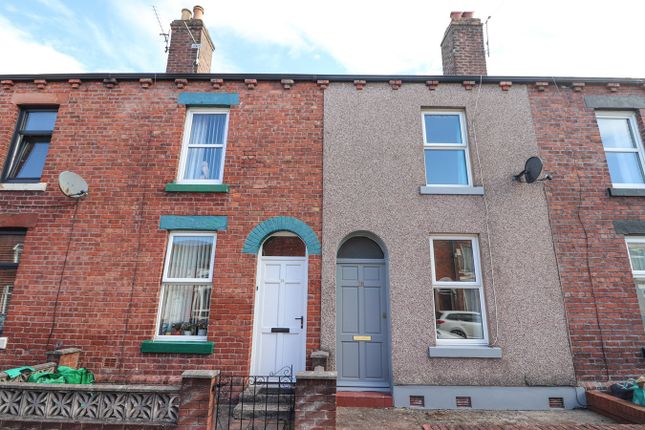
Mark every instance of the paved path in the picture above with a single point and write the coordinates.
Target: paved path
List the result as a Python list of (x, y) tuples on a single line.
[(403, 419)]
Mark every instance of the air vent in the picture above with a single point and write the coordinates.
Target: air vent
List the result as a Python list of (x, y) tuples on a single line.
[(556, 402), (463, 402), (109, 362), (418, 401)]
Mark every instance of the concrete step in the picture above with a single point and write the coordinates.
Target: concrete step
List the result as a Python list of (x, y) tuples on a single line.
[(264, 394)]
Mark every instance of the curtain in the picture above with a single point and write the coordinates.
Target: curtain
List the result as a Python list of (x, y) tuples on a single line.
[(205, 147)]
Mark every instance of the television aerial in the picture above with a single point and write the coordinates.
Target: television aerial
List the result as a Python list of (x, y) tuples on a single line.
[(72, 185), (531, 172)]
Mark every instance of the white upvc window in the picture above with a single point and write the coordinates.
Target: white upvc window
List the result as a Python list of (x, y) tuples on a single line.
[(445, 148), (623, 148), (184, 307), (460, 315), (204, 146), (636, 250)]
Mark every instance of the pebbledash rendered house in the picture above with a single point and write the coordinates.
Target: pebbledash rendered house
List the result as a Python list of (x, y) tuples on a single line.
[(243, 222)]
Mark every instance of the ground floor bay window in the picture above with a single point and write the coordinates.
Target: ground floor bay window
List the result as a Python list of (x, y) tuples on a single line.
[(636, 249), (186, 288), (458, 293), (11, 245)]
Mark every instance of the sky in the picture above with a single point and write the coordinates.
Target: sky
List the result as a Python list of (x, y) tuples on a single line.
[(525, 38)]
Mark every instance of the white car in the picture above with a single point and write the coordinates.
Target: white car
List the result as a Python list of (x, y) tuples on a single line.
[(466, 325), (441, 334)]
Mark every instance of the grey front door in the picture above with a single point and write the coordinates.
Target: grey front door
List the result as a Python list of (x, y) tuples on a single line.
[(362, 325)]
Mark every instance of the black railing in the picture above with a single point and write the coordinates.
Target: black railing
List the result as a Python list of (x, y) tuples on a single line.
[(256, 402)]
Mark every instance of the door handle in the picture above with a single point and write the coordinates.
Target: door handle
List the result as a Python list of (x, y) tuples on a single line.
[(302, 320)]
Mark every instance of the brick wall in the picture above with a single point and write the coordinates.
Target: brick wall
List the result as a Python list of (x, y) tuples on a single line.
[(462, 47), (315, 407), (600, 297), (125, 142)]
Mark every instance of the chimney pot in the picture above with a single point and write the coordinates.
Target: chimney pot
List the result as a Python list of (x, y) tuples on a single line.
[(455, 15), (467, 14), (198, 12), (186, 14)]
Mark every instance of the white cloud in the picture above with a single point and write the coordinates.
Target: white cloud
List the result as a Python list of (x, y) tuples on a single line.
[(22, 54)]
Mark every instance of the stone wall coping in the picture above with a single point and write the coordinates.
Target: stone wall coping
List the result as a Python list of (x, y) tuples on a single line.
[(64, 351), (200, 374), (317, 375), (320, 354), (134, 388)]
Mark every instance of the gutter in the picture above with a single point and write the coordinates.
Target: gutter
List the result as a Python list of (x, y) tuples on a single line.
[(315, 78)]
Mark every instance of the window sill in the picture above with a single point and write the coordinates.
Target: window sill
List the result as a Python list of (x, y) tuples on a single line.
[(464, 352), (177, 347), (472, 191), (196, 188), (626, 192), (17, 186)]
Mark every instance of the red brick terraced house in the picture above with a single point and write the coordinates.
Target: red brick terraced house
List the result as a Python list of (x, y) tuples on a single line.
[(203, 216), (591, 133)]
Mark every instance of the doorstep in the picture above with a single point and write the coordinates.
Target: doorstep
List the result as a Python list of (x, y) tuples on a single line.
[(364, 399)]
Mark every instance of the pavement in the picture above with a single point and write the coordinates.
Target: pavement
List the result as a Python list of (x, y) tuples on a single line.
[(400, 419)]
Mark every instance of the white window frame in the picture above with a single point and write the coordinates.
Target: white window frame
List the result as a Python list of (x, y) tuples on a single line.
[(188, 126), (476, 285), (633, 127), (447, 146), (166, 280), (636, 274)]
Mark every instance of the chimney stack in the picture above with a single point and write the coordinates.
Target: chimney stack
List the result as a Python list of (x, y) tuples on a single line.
[(188, 54), (462, 47)]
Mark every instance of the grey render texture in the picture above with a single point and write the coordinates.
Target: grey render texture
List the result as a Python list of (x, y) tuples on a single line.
[(373, 170)]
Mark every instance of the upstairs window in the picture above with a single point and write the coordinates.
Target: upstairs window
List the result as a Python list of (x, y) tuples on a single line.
[(187, 283), (446, 149), (11, 246), (28, 151), (204, 146), (623, 148)]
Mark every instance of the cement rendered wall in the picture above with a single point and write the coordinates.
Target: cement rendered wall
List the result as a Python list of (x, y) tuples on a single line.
[(373, 168)]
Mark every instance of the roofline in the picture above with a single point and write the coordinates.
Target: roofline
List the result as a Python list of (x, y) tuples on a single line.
[(313, 78)]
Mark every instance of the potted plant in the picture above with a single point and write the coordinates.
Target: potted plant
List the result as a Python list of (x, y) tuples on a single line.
[(187, 328), (202, 325)]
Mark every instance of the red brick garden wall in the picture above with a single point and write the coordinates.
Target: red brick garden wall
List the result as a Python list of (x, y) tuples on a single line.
[(600, 297), (125, 141)]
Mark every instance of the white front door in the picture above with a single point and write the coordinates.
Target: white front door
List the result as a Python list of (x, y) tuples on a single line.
[(279, 335)]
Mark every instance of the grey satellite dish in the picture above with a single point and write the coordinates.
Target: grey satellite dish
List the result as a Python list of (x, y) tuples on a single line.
[(72, 185), (531, 172)]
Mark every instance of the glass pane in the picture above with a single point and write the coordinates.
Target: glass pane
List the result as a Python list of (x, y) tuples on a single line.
[(637, 255), (7, 278), (11, 246), (208, 129), (443, 129), (30, 160), (203, 163), (283, 246), (624, 168), (190, 257), (185, 309), (458, 313), (446, 167), (454, 260), (40, 121), (360, 247), (616, 133)]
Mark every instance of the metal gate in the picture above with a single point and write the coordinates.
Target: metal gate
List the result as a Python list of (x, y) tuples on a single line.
[(256, 402)]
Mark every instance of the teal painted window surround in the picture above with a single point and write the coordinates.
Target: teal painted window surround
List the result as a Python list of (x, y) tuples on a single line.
[(209, 99), (196, 223), (196, 188), (177, 347), (282, 223)]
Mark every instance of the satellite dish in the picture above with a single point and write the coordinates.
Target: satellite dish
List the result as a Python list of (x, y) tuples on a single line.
[(72, 185), (531, 172)]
